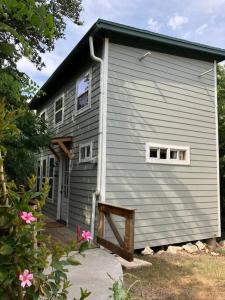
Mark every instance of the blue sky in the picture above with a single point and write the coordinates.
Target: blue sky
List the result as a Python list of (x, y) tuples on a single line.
[(195, 20)]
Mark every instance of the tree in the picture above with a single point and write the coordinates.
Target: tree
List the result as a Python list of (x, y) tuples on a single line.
[(28, 28), (221, 123)]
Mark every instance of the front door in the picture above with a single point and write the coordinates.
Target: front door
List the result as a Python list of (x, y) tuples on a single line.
[(64, 190)]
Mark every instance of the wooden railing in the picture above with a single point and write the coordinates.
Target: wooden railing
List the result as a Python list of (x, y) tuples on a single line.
[(125, 248)]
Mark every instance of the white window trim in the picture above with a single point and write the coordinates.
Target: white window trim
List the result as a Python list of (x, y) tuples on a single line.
[(60, 123), (51, 200), (47, 157), (80, 111), (168, 161), (91, 150)]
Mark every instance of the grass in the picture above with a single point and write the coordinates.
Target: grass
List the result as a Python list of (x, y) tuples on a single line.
[(180, 277)]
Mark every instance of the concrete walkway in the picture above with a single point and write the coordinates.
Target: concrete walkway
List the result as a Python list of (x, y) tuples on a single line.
[(92, 274)]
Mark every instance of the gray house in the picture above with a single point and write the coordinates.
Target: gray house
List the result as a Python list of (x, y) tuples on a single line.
[(134, 118)]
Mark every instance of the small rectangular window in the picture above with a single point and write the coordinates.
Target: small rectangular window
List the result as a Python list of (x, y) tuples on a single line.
[(163, 153), (173, 154), (153, 152), (58, 118), (167, 154), (43, 115), (83, 99), (85, 152)]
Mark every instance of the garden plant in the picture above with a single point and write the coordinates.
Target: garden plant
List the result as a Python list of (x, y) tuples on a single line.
[(31, 266)]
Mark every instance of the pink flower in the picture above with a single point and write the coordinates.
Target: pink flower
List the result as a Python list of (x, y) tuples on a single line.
[(86, 235), (27, 217), (25, 278)]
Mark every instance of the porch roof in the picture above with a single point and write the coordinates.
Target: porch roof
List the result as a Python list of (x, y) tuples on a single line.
[(64, 144)]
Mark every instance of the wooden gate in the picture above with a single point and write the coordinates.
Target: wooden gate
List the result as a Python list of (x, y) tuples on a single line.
[(125, 248)]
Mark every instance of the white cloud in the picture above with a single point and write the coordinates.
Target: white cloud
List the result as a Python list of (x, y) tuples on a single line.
[(201, 29), (207, 6), (51, 60), (177, 21), (186, 35), (154, 25)]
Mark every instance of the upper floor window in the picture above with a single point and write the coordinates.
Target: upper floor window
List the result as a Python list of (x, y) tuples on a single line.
[(43, 115), (167, 154), (85, 152), (58, 109), (83, 93)]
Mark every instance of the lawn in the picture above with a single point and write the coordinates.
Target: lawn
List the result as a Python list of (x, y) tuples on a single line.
[(179, 277)]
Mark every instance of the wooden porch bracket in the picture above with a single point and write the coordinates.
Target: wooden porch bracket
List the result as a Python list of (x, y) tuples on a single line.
[(62, 142), (126, 244), (54, 152)]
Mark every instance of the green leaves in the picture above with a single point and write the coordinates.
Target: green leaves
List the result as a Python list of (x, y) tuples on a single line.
[(6, 249), (83, 247), (73, 261)]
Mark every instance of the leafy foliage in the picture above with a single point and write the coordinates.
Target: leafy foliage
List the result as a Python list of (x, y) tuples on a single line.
[(28, 29), (221, 122), (119, 291), (29, 269), (23, 246)]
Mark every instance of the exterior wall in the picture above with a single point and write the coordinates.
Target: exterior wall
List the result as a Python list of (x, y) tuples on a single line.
[(84, 128), (161, 99)]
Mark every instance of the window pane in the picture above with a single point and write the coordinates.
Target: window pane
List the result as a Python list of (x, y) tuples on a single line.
[(153, 152), (58, 104), (83, 85), (50, 193), (51, 167), (58, 117), (43, 116), (163, 153), (82, 152), (173, 154), (38, 169), (182, 155), (38, 185), (44, 168), (82, 101), (88, 151)]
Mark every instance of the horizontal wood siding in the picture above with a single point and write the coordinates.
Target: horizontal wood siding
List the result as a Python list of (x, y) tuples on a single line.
[(161, 99), (84, 128)]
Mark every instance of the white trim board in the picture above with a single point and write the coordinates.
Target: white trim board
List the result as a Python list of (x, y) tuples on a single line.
[(217, 148), (104, 121)]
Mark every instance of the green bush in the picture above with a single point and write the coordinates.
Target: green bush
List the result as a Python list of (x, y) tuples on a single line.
[(24, 254)]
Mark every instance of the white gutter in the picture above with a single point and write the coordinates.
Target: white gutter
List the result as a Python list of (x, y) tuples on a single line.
[(99, 60), (98, 192)]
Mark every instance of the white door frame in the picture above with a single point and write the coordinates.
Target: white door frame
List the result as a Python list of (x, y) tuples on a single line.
[(60, 189), (59, 197)]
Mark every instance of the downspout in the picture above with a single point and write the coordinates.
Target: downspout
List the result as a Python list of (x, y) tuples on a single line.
[(97, 193)]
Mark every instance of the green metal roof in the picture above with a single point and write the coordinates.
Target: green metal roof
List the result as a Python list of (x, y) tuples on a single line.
[(130, 36)]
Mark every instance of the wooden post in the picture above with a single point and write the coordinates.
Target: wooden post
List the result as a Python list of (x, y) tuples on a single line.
[(125, 248), (129, 233)]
